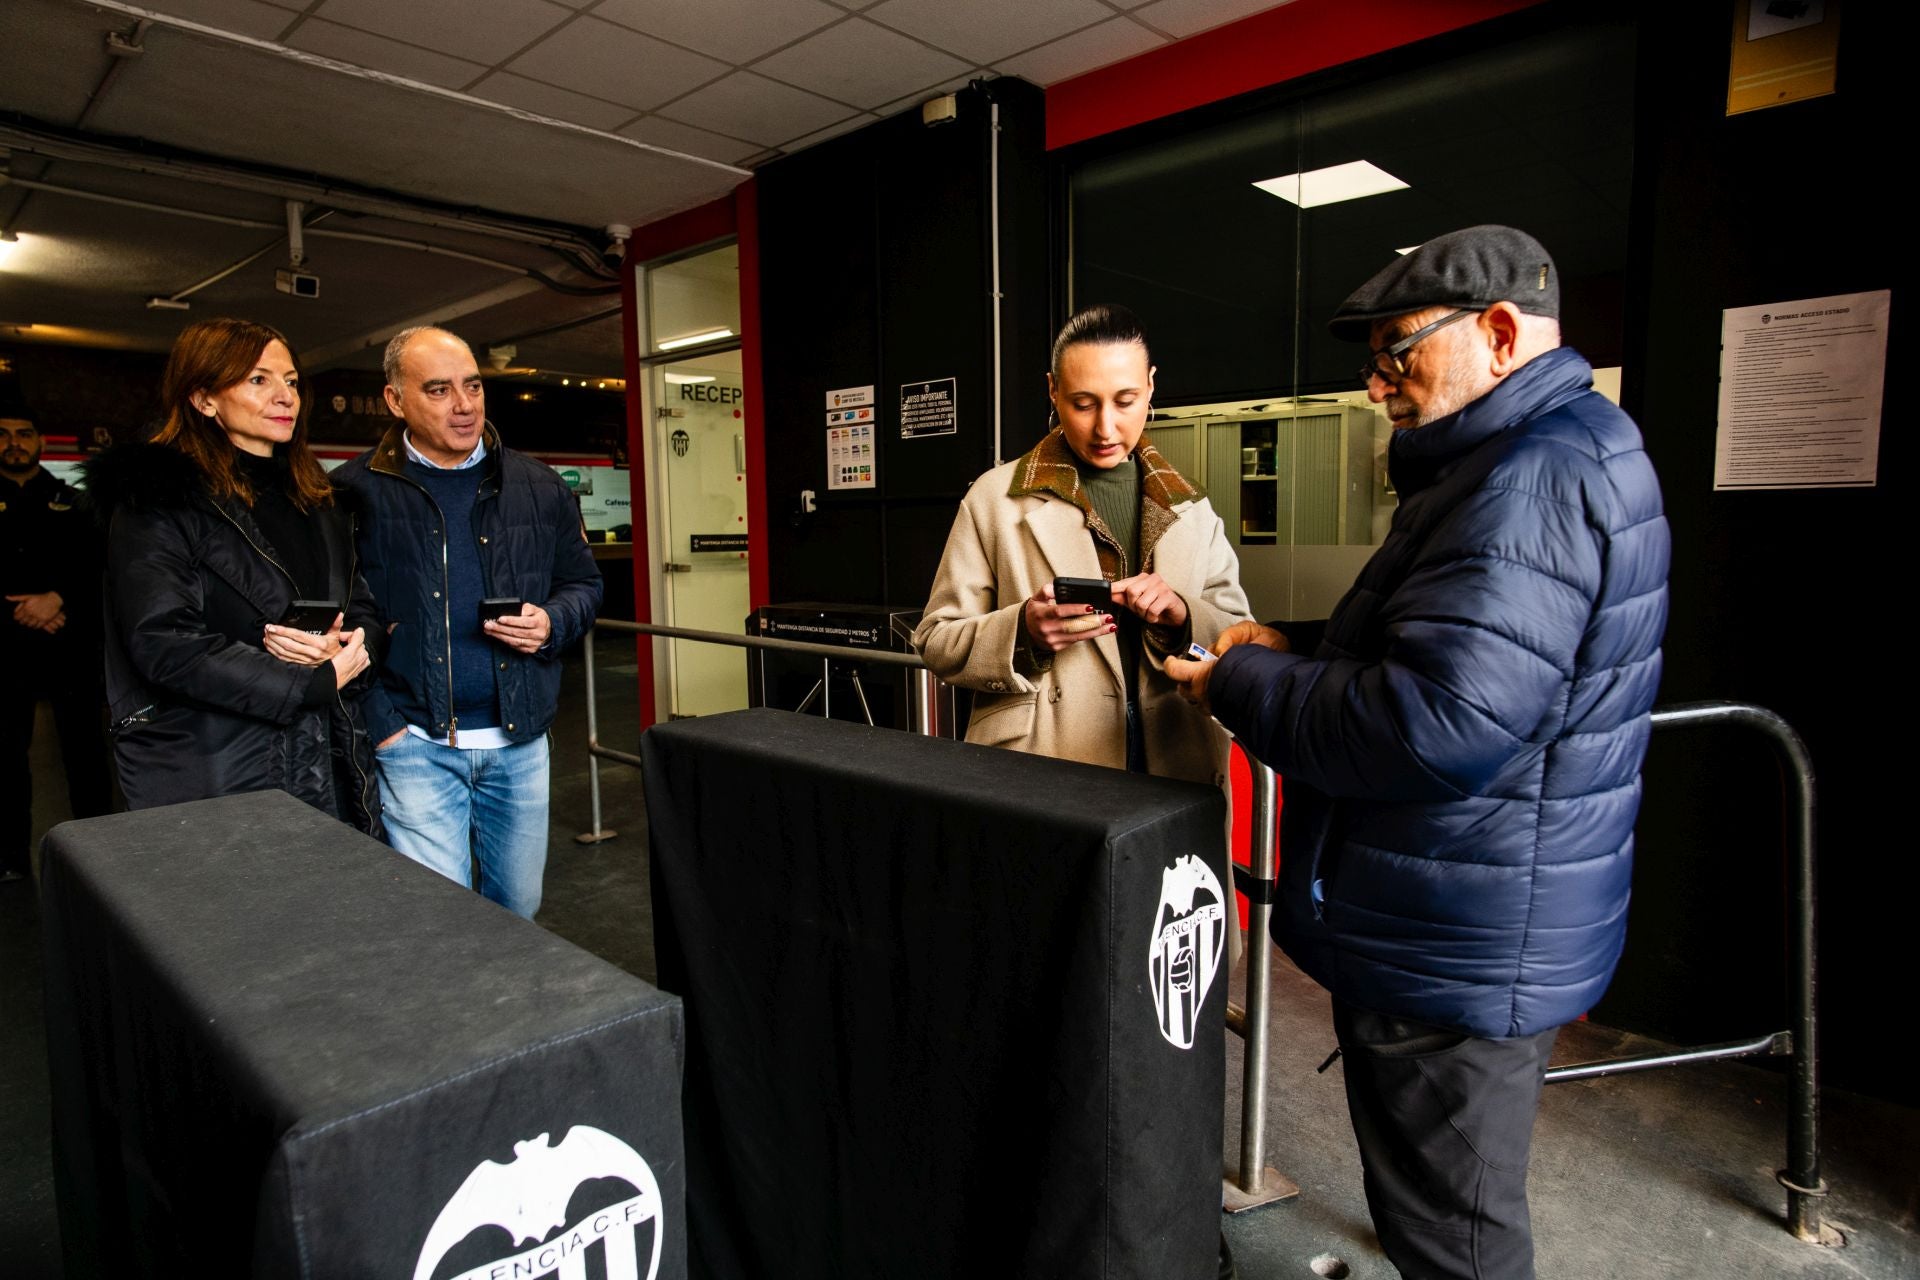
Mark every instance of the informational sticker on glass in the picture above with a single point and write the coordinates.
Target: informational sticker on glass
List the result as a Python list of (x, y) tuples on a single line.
[(928, 409), (850, 456), (849, 398), (1800, 390)]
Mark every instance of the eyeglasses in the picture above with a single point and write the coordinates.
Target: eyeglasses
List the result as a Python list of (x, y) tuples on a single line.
[(1385, 363)]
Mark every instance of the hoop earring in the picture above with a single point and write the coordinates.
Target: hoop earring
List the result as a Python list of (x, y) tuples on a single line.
[(1053, 417)]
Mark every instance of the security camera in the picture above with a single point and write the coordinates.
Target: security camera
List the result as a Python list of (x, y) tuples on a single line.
[(299, 284), (617, 236)]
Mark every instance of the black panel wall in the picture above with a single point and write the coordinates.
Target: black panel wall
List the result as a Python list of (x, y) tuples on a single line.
[(875, 269), (1785, 598)]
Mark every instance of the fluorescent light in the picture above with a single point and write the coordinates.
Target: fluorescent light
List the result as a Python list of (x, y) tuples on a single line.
[(9, 245), (695, 339), (691, 377), (1333, 184)]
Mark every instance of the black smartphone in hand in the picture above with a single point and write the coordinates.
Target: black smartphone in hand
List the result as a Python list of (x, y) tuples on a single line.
[(499, 607), (1097, 592), (314, 616)]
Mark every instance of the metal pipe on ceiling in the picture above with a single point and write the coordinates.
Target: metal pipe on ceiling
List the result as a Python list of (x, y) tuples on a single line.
[(52, 144), (326, 233)]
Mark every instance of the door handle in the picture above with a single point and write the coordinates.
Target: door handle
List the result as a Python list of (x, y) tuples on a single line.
[(674, 566)]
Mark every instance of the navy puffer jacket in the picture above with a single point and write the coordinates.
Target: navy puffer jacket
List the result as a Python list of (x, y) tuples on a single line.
[(1462, 754)]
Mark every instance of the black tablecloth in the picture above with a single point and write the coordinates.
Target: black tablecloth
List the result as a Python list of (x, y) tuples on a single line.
[(279, 1048), (940, 1004)]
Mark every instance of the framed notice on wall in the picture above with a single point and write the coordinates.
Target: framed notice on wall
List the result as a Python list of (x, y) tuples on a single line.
[(1783, 51), (1800, 391)]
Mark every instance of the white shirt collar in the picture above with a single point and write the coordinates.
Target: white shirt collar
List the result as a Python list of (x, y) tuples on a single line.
[(471, 460)]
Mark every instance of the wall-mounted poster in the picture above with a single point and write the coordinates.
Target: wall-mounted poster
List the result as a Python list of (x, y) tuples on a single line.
[(1800, 391)]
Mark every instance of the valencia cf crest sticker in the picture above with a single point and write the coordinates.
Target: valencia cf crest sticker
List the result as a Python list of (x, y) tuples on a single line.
[(548, 1211), (1189, 936)]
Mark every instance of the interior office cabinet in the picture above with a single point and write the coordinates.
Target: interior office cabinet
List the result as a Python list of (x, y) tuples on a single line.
[(1302, 492), (1300, 477)]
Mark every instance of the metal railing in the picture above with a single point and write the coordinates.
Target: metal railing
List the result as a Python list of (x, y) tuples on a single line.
[(1801, 1177), (922, 699)]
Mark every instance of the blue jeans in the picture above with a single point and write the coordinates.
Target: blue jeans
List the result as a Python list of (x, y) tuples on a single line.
[(447, 808)]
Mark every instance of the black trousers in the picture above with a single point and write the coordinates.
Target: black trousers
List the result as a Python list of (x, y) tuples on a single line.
[(77, 717), (1445, 1122)]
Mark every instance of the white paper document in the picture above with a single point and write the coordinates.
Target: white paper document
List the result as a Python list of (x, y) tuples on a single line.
[(1800, 391)]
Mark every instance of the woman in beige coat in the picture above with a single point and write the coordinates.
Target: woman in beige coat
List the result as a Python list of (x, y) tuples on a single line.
[(1091, 500)]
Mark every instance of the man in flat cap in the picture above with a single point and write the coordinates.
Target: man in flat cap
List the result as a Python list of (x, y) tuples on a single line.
[(1462, 751)]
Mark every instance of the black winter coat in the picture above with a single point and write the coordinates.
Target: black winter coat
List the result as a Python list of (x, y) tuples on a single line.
[(528, 542), (198, 706)]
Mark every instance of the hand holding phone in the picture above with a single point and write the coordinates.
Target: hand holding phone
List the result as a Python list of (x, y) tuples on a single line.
[(499, 607), (312, 616), (1054, 622), (1097, 592)]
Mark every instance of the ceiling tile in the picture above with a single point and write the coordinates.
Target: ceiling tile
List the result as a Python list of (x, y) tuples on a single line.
[(243, 17), (325, 123), (660, 132), (860, 63), (735, 30), (1182, 18), (745, 105), (831, 131), (614, 63), (983, 30), (480, 30), (1069, 56), (346, 44), (531, 95)]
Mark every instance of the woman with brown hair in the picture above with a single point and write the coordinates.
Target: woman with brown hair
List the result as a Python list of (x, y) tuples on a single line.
[(216, 527)]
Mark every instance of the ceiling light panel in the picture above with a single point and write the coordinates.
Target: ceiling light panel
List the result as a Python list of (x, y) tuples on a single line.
[(1351, 181)]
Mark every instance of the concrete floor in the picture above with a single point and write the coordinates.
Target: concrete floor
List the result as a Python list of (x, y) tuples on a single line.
[(1655, 1175)]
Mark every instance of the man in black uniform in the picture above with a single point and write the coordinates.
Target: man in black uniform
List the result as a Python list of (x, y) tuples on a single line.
[(49, 637)]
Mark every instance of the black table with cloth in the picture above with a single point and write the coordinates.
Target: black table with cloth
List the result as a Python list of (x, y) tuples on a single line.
[(278, 1048), (951, 1010)]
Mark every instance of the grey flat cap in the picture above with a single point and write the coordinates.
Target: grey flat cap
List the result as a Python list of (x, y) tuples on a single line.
[(1474, 268)]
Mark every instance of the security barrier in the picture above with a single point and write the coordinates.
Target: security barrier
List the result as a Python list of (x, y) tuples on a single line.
[(1801, 1177), (1256, 1183)]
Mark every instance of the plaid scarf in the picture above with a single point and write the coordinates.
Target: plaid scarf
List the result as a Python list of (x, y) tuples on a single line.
[(1050, 467)]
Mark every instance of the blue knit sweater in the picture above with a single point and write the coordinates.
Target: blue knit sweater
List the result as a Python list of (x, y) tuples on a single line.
[(475, 700)]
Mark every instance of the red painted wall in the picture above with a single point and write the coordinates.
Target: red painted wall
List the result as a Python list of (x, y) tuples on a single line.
[(1266, 49)]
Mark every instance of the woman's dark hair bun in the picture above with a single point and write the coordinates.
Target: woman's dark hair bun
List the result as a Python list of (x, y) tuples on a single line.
[(1102, 323)]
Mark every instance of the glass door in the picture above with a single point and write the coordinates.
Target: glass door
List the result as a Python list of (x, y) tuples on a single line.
[(696, 476), (700, 459)]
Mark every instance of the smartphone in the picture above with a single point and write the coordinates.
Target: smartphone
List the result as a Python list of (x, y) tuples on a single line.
[(500, 607), (314, 616), (1097, 592)]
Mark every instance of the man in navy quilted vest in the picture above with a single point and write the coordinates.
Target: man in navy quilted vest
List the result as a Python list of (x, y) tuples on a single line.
[(1462, 751)]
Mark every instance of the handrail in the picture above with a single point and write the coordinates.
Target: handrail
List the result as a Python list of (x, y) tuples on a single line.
[(884, 657), (921, 691), (1801, 1177)]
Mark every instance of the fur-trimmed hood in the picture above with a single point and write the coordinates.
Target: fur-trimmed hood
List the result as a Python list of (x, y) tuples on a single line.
[(145, 476)]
